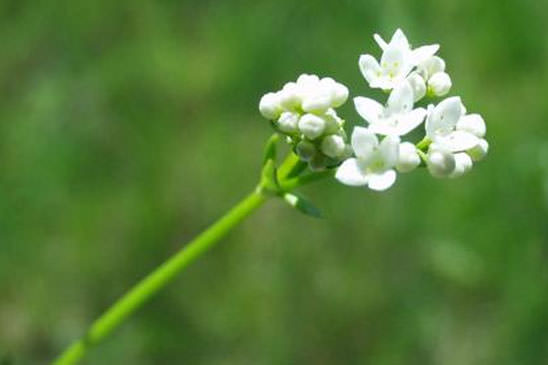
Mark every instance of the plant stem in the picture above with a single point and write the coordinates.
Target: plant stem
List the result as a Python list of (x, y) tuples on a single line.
[(166, 272), (159, 278)]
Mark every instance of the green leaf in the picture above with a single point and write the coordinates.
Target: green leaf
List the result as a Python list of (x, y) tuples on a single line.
[(271, 148), (302, 205)]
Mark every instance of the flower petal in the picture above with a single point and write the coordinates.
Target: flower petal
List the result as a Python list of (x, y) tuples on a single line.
[(444, 117), (472, 123), (350, 173), (430, 66), (423, 53), (458, 141), (380, 41), (389, 150), (392, 60), (401, 99), (370, 68), (399, 40), (382, 181), (363, 142), (368, 109), (409, 121)]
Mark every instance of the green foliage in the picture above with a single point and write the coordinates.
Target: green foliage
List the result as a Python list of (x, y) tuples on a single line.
[(126, 127)]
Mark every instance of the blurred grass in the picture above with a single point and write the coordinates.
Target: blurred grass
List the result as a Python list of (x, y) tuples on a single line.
[(127, 127)]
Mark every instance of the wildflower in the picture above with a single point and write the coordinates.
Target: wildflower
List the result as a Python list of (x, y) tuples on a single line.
[(441, 126), (396, 118), (397, 61), (374, 162)]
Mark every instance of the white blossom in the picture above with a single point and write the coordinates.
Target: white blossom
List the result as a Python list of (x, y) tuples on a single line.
[(396, 118), (397, 61), (374, 162), (441, 126)]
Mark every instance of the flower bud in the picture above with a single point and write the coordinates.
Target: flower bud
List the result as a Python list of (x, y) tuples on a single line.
[(418, 85), (431, 66), (289, 96), (472, 123), (339, 92), (306, 80), (333, 124), (333, 146), (463, 164), (317, 101), (478, 152), (408, 158), (317, 162), (311, 126), (269, 106), (439, 84), (440, 162), (305, 150), (288, 122)]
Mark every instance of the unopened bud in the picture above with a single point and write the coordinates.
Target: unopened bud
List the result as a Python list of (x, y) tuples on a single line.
[(311, 126)]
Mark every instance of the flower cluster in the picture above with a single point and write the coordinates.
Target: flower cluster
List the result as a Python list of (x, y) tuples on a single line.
[(453, 139), (304, 111)]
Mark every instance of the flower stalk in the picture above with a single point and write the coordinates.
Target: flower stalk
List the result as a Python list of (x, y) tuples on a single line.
[(286, 179)]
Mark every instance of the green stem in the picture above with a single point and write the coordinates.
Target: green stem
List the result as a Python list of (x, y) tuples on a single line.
[(166, 272), (159, 278)]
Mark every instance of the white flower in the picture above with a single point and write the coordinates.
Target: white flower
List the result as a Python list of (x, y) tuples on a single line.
[(397, 60), (439, 84), (408, 157), (374, 162), (441, 126), (440, 161), (312, 126), (397, 118)]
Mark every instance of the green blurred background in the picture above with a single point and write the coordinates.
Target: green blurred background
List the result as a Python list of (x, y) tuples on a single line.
[(126, 127)]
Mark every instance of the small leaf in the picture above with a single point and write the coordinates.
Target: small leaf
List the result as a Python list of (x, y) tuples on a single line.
[(271, 148), (302, 205)]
